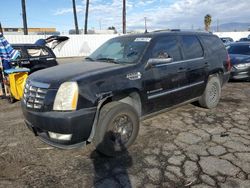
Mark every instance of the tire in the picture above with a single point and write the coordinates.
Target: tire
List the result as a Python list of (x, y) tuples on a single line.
[(212, 93), (117, 128)]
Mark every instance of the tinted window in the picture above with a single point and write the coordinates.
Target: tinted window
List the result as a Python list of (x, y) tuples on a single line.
[(22, 54), (239, 49), (165, 47), (36, 52), (191, 47), (213, 43)]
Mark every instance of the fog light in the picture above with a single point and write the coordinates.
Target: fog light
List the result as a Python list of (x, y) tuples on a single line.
[(58, 136)]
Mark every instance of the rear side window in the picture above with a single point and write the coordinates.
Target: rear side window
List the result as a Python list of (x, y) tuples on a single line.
[(37, 52), (213, 43), (22, 54), (165, 47), (191, 47)]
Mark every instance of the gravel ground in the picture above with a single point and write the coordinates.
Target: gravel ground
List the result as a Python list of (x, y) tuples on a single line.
[(186, 147)]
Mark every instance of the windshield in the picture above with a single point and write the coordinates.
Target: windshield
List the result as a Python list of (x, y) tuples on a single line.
[(239, 49), (121, 50)]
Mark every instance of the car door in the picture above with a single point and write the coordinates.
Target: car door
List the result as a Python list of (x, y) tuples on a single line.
[(196, 63), (163, 82)]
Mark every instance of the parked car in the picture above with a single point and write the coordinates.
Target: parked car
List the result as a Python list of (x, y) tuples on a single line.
[(37, 57), (240, 58), (129, 77), (244, 39), (226, 40)]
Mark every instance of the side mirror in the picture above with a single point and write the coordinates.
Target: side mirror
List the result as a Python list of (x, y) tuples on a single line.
[(154, 62)]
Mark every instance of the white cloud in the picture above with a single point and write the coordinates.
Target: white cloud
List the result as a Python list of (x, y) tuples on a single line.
[(188, 13), (162, 13), (61, 11)]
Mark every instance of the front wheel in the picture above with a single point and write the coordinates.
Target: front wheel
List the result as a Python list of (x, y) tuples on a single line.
[(212, 93), (117, 128)]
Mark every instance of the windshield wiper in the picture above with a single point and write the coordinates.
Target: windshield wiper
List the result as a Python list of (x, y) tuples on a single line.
[(89, 58), (107, 59), (133, 53)]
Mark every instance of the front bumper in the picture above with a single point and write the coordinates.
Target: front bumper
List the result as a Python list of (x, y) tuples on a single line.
[(240, 74), (78, 123)]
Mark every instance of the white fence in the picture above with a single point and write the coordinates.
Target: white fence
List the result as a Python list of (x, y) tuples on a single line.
[(83, 45), (77, 45)]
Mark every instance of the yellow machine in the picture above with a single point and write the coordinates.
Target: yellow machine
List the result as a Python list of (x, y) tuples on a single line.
[(17, 81), (14, 81)]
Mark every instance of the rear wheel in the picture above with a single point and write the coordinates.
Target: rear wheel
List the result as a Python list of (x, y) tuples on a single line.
[(117, 128), (212, 93)]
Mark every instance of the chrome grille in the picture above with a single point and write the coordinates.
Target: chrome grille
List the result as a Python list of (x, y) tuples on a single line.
[(34, 94)]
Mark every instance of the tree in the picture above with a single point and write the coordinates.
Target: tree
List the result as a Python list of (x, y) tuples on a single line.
[(75, 17), (112, 28), (207, 22), (86, 17)]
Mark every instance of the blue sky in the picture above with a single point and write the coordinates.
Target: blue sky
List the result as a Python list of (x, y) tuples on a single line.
[(184, 14)]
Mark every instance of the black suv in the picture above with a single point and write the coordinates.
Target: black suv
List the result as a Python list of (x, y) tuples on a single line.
[(129, 77)]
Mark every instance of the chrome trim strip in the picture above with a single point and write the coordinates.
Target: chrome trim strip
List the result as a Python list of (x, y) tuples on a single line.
[(38, 84), (51, 58), (173, 90), (183, 61), (168, 109)]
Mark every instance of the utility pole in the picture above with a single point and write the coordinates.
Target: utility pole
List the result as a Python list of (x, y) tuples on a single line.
[(1, 29), (217, 25), (146, 30), (25, 28), (75, 17), (124, 17), (100, 24), (86, 17)]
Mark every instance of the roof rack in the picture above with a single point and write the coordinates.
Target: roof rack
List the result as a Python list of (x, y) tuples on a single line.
[(176, 30), (162, 30)]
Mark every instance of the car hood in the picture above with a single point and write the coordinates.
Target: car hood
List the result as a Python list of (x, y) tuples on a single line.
[(239, 58), (54, 76)]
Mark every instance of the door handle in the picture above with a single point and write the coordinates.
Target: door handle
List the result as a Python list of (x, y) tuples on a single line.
[(206, 64), (181, 69)]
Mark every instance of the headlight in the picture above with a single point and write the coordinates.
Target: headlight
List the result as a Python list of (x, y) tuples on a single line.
[(66, 97), (242, 66)]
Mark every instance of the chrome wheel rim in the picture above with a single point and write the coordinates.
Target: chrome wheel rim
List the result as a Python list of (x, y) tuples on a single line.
[(213, 94), (121, 129)]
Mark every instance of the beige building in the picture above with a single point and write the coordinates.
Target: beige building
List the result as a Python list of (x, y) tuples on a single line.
[(31, 31)]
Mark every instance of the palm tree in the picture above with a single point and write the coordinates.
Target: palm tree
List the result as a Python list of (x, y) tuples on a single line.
[(207, 22), (124, 17), (86, 17), (25, 28), (75, 17)]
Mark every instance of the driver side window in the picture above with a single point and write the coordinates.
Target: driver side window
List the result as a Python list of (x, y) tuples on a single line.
[(166, 47)]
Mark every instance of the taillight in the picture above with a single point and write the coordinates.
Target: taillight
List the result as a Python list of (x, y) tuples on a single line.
[(229, 66)]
